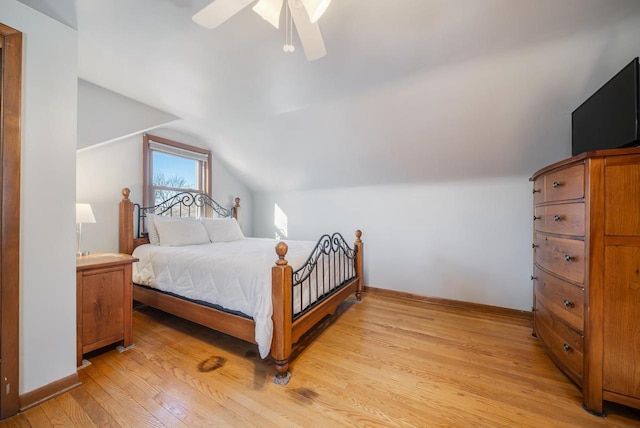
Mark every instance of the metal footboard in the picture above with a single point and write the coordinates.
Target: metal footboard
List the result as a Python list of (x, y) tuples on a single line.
[(330, 266)]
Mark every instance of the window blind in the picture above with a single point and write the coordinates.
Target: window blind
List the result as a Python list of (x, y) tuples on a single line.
[(176, 151)]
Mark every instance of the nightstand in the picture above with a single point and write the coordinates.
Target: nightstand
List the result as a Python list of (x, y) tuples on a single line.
[(103, 301)]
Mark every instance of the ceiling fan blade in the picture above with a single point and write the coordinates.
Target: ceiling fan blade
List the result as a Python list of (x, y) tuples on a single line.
[(309, 33), (270, 10), (219, 11), (315, 8)]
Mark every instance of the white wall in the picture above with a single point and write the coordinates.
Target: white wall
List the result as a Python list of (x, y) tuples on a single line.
[(47, 253), (103, 170), (466, 240)]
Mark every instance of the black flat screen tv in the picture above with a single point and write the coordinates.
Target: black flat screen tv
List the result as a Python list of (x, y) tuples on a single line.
[(609, 118)]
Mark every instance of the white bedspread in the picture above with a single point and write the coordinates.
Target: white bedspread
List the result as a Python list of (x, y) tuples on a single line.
[(235, 275)]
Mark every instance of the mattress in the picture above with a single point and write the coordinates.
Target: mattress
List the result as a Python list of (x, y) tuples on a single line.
[(234, 275)]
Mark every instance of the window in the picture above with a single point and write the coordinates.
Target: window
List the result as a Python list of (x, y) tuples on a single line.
[(171, 167)]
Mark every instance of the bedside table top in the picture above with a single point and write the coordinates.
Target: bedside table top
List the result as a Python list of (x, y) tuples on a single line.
[(95, 260)]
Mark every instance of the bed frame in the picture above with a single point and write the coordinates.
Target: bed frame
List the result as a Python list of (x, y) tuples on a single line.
[(287, 327)]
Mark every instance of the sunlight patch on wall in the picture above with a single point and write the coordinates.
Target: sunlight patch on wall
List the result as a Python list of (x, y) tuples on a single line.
[(280, 222)]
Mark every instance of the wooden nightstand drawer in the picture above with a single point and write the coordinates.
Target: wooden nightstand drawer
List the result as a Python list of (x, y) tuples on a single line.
[(104, 301)]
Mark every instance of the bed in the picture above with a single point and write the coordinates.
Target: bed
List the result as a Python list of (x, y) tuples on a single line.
[(236, 285)]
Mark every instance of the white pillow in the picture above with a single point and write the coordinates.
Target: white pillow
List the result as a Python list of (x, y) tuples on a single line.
[(152, 230), (177, 233), (154, 239), (223, 229)]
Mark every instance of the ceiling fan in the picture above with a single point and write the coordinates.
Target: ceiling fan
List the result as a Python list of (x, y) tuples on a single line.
[(304, 13)]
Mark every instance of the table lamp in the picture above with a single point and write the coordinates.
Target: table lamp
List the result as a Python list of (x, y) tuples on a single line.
[(84, 214)]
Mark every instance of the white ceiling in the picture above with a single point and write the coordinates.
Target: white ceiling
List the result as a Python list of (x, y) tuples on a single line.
[(410, 90)]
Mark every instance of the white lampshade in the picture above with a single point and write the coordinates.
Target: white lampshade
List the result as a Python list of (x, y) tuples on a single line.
[(315, 8), (270, 10), (84, 214)]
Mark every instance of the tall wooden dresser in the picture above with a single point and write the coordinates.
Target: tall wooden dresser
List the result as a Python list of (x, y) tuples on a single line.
[(586, 273)]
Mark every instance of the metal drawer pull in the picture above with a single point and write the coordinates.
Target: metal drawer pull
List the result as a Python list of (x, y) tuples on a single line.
[(536, 218), (537, 191), (557, 218), (567, 303), (568, 258), (556, 184), (533, 278), (566, 347), (534, 246)]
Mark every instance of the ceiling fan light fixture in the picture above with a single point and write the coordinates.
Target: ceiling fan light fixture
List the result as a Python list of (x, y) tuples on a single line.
[(270, 11), (315, 8), (298, 13)]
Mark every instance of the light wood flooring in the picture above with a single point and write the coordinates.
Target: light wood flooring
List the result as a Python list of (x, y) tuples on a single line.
[(384, 362)]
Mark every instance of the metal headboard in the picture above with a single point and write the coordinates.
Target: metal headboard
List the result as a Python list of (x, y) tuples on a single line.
[(183, 204)]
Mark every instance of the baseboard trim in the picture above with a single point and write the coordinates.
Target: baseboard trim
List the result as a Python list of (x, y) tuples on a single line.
[(493, 310), (49, 391)]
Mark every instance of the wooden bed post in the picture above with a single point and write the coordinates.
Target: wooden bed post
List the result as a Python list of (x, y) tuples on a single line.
[(359, 264), (236, 209), (281, 277), (126, 223)]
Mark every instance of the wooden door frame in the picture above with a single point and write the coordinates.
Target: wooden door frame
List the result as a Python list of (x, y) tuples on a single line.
[(10, 115)]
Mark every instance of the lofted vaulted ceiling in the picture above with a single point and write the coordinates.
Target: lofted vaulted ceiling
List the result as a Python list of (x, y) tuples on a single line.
[(410, 90)]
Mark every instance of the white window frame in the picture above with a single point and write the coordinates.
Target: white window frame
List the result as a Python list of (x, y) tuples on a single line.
[(153, 143)]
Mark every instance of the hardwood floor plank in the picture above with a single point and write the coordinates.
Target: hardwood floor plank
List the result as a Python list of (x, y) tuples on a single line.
[(124, 410), (98, 415), (386, 362), (18, 421), (139, 391), (184, 367), (56, 414), (189, 353), (37, 417), (403, 390), (75, 412)]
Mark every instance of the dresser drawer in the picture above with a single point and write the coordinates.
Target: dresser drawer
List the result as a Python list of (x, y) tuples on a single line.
[(563, 219), (562, 256), (566, 345), (565, 300), (564, 184)]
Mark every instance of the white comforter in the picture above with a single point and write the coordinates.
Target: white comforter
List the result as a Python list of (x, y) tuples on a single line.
[(235, 275)]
